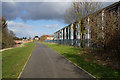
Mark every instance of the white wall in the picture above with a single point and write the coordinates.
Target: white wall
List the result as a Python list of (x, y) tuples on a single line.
[(71, 31)]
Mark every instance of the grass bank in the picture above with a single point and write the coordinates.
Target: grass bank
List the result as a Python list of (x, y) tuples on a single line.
[(74, 55), (14, 59)]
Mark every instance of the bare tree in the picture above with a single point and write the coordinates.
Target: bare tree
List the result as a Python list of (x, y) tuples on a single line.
[(79, 12)]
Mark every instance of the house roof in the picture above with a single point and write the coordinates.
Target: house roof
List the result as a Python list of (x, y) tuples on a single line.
[(48, 35)]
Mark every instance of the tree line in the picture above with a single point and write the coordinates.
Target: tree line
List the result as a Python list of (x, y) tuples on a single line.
[(7, 36)]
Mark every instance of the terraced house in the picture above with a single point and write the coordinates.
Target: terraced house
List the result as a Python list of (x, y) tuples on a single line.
[(94, 27)]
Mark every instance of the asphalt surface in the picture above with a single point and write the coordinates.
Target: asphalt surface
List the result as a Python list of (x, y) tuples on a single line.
[(46, 63)]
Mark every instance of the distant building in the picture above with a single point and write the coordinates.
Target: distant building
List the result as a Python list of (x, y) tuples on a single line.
[(49, 37), (36, 38), (46, 37)]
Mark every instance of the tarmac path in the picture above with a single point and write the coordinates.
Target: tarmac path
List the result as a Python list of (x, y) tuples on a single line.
[(46, 63)]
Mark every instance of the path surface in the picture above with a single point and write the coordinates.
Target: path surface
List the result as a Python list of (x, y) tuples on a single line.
[(46, 63)]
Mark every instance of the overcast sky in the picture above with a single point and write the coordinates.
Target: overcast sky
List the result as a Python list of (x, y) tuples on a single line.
[(28, 19)]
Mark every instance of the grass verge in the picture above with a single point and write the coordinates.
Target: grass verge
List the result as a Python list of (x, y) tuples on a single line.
[(95, 69), (14, 59)]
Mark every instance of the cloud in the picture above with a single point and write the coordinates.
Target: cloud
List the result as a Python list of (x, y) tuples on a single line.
[(34, 10), (51, 26), (25, 30), (21, 29), (37, 0), (59, 0)]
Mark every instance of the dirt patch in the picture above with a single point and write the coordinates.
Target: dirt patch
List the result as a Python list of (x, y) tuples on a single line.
[(82, 52)]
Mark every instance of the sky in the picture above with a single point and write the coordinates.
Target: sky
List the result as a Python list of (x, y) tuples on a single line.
[(33, 18)]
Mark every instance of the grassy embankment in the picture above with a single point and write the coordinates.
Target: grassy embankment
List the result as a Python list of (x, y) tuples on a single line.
[(13, 60), (74, 55)]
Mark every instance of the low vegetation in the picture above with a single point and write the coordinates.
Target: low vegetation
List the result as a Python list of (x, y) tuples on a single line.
[(14, 59), (81, 58)]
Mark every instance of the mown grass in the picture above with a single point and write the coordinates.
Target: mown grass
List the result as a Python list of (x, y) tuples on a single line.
[(95, 69), (14, 59)]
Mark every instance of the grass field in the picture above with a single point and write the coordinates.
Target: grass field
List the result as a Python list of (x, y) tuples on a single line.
[(14, 59), (95, 69)]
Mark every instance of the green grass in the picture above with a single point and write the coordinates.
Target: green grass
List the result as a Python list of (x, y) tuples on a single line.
[(95, 69), (14, 59)]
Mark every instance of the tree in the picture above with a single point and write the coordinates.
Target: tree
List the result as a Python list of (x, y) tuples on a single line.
[(4, 33), (17, 38), (7, 35), (25, 38), (79, 12), (42, 38), (0, 32), (29, 38)]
